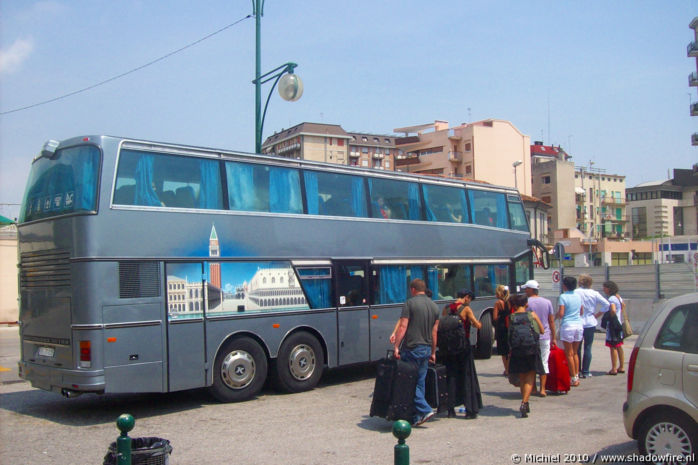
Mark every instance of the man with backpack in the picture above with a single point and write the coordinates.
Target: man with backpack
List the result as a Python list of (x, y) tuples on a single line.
[(418, 326), (543, 308)]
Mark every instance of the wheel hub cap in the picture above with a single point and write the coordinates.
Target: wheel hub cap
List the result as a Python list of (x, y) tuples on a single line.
[(301, 362), (238, 369), (668, 438)]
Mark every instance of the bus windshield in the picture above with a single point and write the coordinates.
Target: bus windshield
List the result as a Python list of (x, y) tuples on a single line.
[(63, 184)]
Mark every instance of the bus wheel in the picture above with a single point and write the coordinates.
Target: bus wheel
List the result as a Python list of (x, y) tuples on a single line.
[(299, 363), (485, 337), (240, 370)]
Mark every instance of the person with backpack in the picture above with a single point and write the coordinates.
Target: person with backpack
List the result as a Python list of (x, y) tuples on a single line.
[(456, 353), (524, 331), (500, 315)]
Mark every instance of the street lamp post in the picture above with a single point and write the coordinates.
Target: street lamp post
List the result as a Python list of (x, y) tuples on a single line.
[(290, 85), (515, 165)]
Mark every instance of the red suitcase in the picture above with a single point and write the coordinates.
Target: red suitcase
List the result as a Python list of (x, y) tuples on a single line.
[(559, 377)]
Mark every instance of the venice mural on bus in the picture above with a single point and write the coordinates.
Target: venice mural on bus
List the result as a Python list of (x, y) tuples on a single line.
[(231, 287)]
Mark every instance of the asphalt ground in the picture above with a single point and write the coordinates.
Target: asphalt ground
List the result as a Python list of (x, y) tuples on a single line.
[(328, 425)]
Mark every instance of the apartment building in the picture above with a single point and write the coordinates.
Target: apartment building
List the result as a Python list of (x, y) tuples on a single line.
[(491, 150), (310, 141), (692, 52), (330, 143), (552, 174), (600, 203), (372, 150)]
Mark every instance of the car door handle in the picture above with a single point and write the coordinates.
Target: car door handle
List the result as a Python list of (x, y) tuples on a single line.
[(693, 368)]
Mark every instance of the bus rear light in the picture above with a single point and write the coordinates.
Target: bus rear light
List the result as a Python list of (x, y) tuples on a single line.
[(276, 325), (85, 354)]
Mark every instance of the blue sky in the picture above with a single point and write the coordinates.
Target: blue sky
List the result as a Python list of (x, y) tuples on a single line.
[(606, 80)]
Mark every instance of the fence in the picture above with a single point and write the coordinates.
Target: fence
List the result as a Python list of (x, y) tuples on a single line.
[(635, 282)]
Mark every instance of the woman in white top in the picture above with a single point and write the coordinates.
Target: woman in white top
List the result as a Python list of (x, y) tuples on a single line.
[(590, 300), (614, 331)]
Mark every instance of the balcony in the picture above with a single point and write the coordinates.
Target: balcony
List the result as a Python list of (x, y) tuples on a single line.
[(613, 201), (456, 157), (694, 138), (692, 49), (378, 156), (693, 79), (354, 154), (694, 109), (407, 159)]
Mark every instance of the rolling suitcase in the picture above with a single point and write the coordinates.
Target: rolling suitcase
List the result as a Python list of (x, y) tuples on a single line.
[(436, 387), (559, 377), (393, 392)]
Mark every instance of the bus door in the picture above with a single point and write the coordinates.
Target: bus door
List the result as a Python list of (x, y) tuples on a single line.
[(351, 281), (186, 288)]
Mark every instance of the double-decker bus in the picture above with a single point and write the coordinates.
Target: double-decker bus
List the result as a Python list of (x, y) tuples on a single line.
[(152, 267)]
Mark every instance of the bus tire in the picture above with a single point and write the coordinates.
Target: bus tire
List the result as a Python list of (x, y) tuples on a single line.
[(485, 337), (240, 370), (299, 363)]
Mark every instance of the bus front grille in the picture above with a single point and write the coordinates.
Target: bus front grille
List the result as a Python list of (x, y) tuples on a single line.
[(50, 268)]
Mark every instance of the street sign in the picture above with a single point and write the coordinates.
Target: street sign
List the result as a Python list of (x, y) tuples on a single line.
[(556, 276), (556, 280)]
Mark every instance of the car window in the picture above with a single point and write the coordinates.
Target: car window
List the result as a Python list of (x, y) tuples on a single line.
[(680, 330)]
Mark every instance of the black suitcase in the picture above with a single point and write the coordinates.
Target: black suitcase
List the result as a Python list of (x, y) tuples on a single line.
[(393, 393), (436, 387)]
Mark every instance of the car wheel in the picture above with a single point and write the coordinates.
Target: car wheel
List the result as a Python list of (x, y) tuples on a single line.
[(239, 371), (299, 363), (668, 434)]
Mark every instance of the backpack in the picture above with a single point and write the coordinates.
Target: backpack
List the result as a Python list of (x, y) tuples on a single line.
[(451, 334), (523, 338)]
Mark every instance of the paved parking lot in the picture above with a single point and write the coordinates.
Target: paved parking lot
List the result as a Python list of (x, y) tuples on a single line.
[(329, 425)]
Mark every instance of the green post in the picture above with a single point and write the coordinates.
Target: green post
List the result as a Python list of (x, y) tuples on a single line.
[(125, 423), (401, 430)]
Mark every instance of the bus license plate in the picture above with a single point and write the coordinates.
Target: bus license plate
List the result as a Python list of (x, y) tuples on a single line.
[(46, 351)]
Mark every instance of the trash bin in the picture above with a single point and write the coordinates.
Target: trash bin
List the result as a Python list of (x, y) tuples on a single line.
[(144, 451)]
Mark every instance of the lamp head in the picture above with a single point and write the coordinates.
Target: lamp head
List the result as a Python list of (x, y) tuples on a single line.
[(290, 87)]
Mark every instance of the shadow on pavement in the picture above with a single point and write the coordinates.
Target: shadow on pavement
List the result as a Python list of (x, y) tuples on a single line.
[(380, 425), (92, 409)]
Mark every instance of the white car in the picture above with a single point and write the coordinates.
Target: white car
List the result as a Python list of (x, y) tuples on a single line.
[(661, 410)]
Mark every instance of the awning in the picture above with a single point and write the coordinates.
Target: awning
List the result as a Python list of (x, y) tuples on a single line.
[(4, 220), (578, 190)]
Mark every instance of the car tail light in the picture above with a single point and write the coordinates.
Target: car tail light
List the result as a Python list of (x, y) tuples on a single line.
[(85, 354), (631, 367)]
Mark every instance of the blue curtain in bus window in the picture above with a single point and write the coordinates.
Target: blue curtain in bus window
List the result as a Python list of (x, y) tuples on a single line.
[(210, 191), (433, 280), (464, 207), (145, 195), (493, 278), (318, 292), (358, 197), (87, 175), (502, 220), (416, 272), (284, 191), (311, 192), (413, 197), (392, 284), (427, 205), (241, 192)]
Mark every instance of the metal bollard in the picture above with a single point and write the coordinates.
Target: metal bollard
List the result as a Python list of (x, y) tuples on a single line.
[(125, 423), (401, 430)]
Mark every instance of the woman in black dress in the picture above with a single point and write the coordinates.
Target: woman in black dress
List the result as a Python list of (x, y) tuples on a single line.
[(463, 385)]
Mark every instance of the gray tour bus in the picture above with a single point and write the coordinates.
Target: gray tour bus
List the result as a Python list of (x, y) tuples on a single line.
[(151, 267)]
